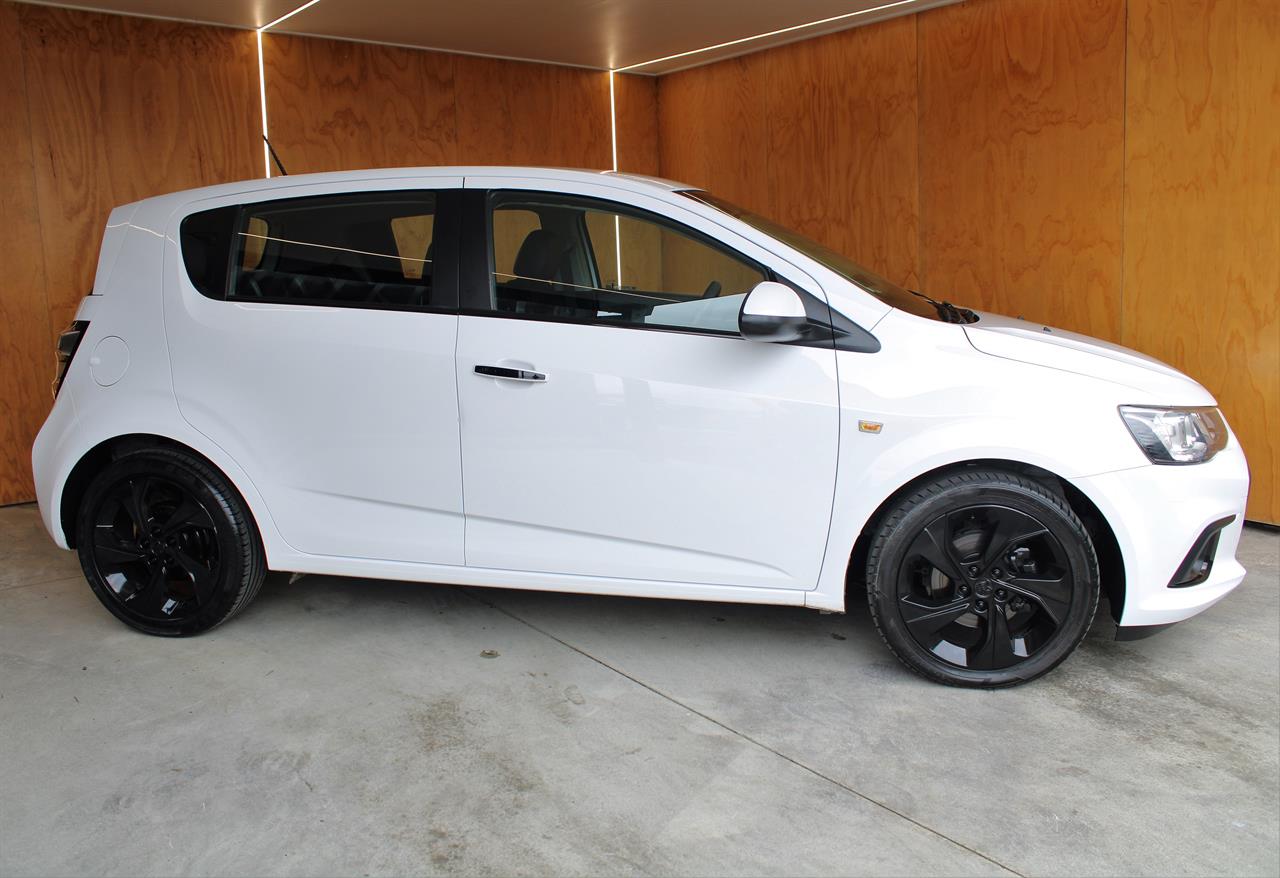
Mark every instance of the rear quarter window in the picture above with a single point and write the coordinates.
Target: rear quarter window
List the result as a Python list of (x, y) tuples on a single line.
[(206, 247)]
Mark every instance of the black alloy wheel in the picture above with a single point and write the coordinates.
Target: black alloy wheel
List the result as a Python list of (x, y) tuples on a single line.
[(982, 579), (167, 545)]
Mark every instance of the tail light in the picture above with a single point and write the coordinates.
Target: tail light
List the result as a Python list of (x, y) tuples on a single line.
[(68, 342)]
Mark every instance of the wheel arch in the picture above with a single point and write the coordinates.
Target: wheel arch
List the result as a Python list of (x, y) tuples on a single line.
[(1110, 559), (105, 452)]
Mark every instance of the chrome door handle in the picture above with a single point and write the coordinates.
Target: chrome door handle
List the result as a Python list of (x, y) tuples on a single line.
[(510, 374)]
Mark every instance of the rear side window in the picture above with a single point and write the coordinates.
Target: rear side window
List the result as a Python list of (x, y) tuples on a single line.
[(372, 250)]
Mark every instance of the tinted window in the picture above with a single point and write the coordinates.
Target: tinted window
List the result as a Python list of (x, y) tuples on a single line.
[(884, 290), (371, 250), (567, 258), (206, 241)]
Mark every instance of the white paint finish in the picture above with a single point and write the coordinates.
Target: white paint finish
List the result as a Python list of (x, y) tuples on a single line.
[(109, 361), (581, 33), (1021, 340), (770, 299), (647, 454), (349, 414), (943, 402), (650, 463), (1154, 509)]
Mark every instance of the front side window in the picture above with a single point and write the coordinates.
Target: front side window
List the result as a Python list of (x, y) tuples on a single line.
[(568, 258), (366, 250)]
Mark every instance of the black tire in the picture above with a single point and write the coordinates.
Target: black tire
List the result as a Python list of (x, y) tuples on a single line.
[(167, 544), (982, 578)]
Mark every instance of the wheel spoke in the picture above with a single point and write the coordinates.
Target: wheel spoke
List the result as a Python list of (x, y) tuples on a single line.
[(146, 599), (925, 620), (136, 505), (201, 576), (1009, 527), (933, 544), (996, 650), (111, 551), (1052, 594), (189, 513)]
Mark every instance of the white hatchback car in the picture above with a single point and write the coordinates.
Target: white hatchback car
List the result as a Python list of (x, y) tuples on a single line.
[(604, 383)]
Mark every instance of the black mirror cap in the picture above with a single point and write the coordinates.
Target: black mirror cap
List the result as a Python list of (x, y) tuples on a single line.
[(779, 330)]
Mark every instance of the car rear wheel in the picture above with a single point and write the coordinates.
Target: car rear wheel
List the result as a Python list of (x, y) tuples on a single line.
[(982, 578), (167, 544)]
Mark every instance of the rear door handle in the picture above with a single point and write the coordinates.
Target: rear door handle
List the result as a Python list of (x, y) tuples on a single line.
[(510, 374)]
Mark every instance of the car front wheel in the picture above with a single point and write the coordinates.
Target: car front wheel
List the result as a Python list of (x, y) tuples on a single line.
[(982, 578)]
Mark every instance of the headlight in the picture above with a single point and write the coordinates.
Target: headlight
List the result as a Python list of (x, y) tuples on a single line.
[(1191, 435)]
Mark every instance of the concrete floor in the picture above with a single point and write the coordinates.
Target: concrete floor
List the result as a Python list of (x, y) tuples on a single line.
[(350, 726)]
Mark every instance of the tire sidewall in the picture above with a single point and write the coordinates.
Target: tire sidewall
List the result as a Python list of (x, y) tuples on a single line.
[(214, 499), (882, 579)]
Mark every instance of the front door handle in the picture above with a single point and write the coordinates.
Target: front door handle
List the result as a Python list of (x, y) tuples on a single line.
[(510, 374)]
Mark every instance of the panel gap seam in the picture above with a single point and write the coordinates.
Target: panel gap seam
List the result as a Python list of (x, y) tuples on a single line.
[(743, 735)]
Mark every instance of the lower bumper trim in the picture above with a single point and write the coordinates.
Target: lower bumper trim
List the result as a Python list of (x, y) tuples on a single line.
[(1140, 632)]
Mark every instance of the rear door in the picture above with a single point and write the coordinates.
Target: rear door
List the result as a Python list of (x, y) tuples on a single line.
[(614, 423), (315, 344)]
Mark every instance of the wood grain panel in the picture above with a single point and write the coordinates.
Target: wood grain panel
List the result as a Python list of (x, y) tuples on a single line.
[(25, 349), (712, 132), (1202, 216), (335, 105), (126, 108), (842, 143), (1021, 158), (636, 105), (517, 113)]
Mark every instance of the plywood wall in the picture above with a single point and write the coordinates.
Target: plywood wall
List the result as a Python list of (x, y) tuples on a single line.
[(125, 108), (336, 105), (636, 102), (1110, 166), (26, 360), (843, 143), (1202, 209), (1021, 161), (99, 110)]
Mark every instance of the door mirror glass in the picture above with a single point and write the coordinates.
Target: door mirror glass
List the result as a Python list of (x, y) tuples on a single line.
[(772, 312)]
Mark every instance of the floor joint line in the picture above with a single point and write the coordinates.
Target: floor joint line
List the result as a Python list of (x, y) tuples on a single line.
[(743, 735)]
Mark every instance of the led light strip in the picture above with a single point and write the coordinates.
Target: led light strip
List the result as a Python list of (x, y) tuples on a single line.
[(613, 138), (262, 81), (772, 33), (262, 95), (288, 15)]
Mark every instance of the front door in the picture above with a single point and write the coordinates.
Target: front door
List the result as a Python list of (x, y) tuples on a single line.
[(320, 356), (614, 423)]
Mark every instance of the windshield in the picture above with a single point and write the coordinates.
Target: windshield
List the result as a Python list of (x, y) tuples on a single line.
[(883, 289)]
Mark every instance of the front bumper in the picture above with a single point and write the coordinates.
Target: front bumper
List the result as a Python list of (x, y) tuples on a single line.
[(1158, 513)]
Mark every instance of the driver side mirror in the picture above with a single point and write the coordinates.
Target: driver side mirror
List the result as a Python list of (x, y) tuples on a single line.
[(772, 312)]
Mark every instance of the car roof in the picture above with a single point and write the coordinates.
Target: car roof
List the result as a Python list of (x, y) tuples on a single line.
[(153, 209)]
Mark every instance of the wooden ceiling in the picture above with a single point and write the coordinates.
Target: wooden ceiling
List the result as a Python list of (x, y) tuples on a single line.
[(645, 36)]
